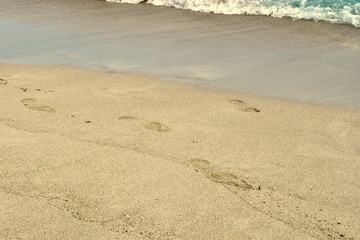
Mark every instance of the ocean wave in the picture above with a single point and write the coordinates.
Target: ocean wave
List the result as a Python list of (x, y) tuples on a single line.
[(334, 11)]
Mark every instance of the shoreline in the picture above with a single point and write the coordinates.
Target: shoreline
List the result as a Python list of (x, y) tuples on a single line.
[(306, 61), (93, 155), (225, 9)]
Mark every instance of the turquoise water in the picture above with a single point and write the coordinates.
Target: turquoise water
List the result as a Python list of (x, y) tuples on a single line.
[(334, 11)]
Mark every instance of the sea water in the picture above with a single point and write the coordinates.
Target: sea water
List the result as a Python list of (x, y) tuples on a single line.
[(334, 11)]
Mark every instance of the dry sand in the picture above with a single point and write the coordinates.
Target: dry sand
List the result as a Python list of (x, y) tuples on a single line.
[(91, 155)]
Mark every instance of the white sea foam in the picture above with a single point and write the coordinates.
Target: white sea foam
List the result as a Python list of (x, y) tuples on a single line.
[(347, 14)]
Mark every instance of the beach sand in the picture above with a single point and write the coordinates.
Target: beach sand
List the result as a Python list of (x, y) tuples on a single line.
[(92, 155)]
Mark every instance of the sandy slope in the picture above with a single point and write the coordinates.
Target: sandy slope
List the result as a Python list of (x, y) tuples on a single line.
[(90, 155)]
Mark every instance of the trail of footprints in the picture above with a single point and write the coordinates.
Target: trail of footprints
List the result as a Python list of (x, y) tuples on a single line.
[(235, 184), (156, 126), (32, 104)]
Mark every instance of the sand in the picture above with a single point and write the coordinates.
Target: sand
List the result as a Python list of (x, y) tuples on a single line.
[(92, 155)]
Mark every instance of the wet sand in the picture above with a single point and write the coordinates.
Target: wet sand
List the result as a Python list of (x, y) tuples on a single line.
[(296, 60)]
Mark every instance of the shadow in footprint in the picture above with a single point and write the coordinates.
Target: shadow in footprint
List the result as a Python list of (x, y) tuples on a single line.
[(3, 81), (218, 176), (155, 126), (242, 106), (30, 103), (24, 89)]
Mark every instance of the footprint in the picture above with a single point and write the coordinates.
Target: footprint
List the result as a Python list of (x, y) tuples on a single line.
[(3, 81), (242, 106), (30, 103), (155, 126), (218, 176)]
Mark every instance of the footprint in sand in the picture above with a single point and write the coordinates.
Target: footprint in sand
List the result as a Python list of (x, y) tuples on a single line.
[(155, 126), (3, 81), (242, 106), (30, 103), (218, 176)]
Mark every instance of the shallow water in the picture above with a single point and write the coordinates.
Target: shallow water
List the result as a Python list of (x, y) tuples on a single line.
[(301, 60), (334, 11)]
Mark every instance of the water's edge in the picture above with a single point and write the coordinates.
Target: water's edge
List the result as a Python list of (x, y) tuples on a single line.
[(303, 61), (340, 11)]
